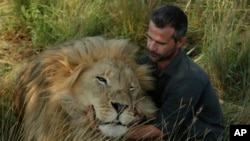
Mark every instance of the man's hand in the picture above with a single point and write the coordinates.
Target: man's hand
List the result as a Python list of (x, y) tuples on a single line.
[(91, 116)]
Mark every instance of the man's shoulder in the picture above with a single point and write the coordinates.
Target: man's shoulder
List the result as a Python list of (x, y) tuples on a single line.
[(193, 71)]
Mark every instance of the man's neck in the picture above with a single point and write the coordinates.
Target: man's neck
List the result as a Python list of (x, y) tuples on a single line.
[(163, 64)]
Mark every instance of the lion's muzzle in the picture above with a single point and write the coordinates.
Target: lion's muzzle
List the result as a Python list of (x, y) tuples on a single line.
[(115, 128)]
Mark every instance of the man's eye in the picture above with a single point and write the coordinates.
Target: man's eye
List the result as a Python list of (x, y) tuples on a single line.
[(101, 80), (162, 44)]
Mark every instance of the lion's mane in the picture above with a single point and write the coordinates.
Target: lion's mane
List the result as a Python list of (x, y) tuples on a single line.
[(55, 90)]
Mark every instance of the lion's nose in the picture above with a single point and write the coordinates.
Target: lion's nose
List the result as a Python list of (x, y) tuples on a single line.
[(119, 107)]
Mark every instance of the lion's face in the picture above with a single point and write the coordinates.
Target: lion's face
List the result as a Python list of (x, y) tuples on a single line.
[(113, 90), (57, 87)]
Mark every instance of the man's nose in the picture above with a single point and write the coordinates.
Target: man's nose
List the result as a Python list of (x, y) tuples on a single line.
[(152, 45)]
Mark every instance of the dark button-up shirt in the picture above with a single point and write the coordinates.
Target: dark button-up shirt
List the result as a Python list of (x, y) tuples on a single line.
[(188, 104)]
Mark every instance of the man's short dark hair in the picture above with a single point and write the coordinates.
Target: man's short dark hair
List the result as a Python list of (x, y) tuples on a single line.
[(171, 16)]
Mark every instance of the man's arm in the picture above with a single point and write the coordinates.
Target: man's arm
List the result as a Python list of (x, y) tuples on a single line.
[(144, 132)]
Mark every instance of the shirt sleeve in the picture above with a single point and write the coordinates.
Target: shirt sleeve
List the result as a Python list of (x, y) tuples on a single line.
[(179, 105)]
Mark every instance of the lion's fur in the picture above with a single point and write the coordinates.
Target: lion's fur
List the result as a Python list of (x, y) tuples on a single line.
[(54, 91)]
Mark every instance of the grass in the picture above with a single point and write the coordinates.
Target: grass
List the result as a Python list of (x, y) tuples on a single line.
[(218, 39), (226, 48)]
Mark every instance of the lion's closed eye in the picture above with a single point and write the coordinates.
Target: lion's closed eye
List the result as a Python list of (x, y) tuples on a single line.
[(131, 89), (102, 80)]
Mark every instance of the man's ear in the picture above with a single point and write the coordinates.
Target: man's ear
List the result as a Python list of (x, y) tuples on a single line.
[(181, 42)]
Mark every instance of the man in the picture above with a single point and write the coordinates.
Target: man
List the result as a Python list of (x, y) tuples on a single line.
[(188, 105)]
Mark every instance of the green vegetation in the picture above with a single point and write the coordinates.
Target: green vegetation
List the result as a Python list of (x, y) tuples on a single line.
[(218, 39)]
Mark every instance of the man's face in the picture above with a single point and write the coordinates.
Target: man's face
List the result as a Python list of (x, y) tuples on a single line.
[(160, 42)]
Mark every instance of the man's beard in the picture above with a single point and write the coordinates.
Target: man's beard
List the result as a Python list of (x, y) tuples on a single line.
[(159, 57)]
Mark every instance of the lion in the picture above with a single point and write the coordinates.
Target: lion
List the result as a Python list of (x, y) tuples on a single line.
[(56, 88)]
